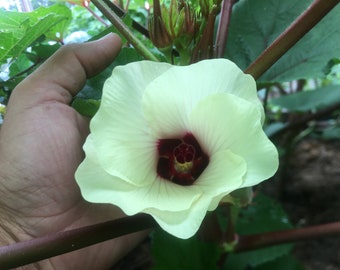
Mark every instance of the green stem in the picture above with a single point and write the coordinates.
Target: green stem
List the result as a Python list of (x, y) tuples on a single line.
[(305, 22), (251, 242), (124, 30), (37, 249)]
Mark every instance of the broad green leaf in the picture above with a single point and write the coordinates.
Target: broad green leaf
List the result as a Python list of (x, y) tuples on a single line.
[(263, 215), (172, 253), (94, 86), (19, 30), (57, 31), (87, 107), (273, 128), (44, 51), (87, 100), (309, 100), (127, 55), (20, 64), (332, 133), (135, 4), (256, 24), (287, 262), (110, 29)]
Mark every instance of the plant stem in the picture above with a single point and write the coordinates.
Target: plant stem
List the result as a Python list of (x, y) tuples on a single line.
[(124, 30), (250, 242), (121, 13), (222, 30), (204, 48), (96, 16), (305, 22), (37, 249)]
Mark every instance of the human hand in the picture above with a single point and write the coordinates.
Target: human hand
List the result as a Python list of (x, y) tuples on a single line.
[(40, 148)]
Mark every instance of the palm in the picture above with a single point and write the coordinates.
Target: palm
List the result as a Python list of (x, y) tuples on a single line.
[(45, 146), (41, 142)]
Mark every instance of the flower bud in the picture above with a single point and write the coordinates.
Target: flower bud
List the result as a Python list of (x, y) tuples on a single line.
[(174, 24), (158, 32), (188, 27), (209, 6)]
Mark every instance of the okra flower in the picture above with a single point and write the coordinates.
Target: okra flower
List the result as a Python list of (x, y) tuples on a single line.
[(172, 141)]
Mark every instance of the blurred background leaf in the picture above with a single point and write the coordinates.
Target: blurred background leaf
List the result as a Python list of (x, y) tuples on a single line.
[(87, 101), (309, 100), (255, 25), (19, 30), (172, 253), (263, 215)]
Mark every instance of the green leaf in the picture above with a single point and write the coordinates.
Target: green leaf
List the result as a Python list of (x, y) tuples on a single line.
[(44, 51), (263, 215), (56, 32), (273, 128), (87, 100), (110, 29), (135, 4), (20, 64), (332, 133), (19, 30), (86, 107), (172, 253), (94, 86), (127, 55), (287, 262), (309, 100), (255, 25)]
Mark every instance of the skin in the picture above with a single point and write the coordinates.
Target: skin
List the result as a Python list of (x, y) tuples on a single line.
[(40, 148)]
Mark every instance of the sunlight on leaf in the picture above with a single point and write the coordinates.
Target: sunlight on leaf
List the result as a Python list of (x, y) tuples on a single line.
[(19, 30)]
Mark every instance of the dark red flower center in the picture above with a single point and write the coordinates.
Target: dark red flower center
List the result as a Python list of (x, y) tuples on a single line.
[(181, 160)]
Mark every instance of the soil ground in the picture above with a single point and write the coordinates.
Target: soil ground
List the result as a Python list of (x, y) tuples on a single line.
[(309, 190), (310, 194)]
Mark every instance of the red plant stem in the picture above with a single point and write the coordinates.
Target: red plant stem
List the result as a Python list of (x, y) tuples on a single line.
[(305, 22), (250, 242), (222, 30), (37, 249)]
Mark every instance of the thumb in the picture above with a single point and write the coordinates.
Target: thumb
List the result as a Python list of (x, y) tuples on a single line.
[(65, 72)]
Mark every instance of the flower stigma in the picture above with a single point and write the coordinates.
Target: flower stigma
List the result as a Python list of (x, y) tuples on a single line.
[(181, 160)]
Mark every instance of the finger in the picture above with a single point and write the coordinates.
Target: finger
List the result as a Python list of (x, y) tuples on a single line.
[(65, 72)]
